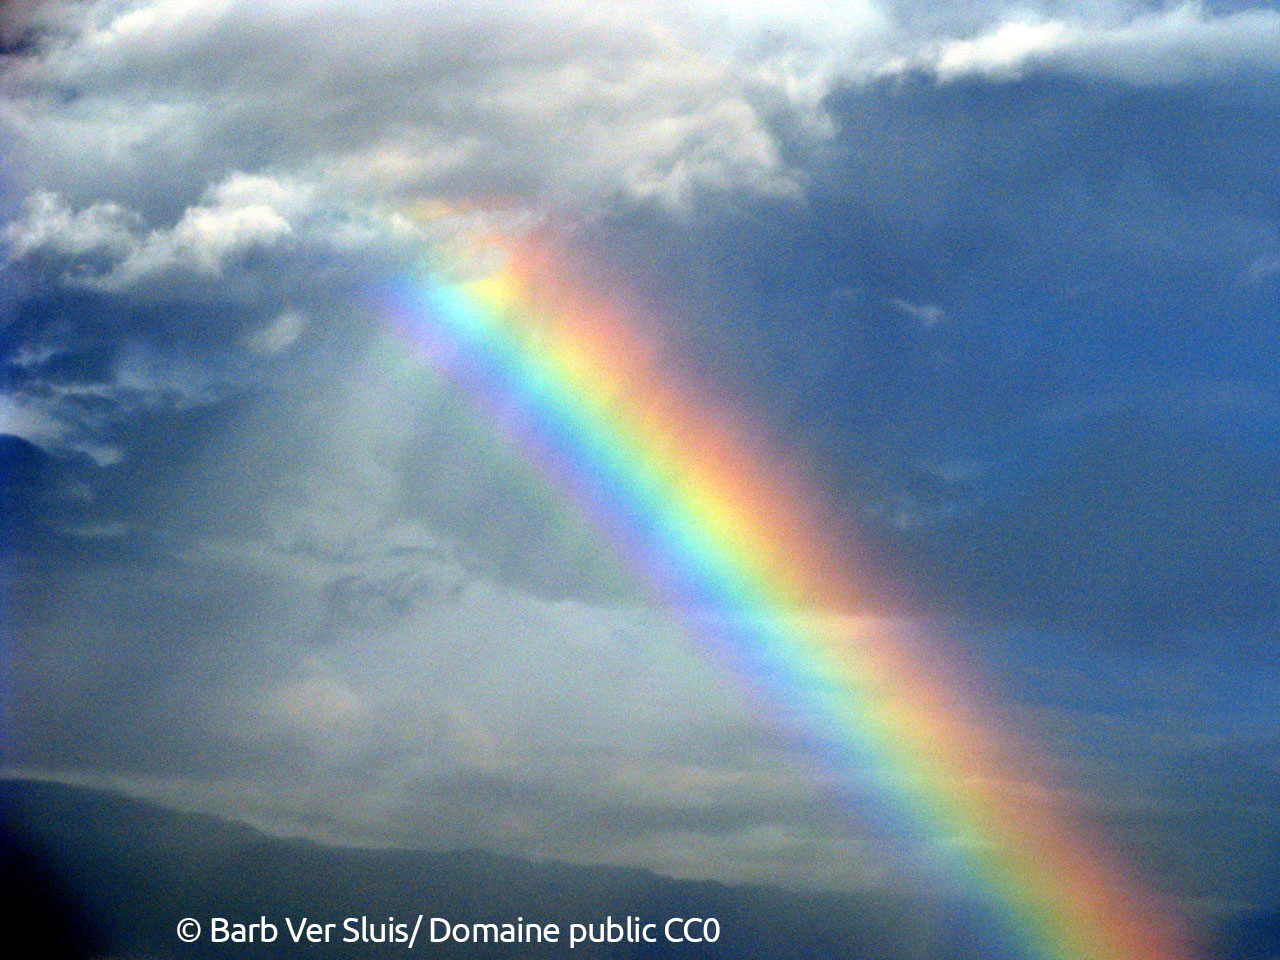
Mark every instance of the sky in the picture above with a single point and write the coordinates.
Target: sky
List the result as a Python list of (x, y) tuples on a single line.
[(1002, 277)]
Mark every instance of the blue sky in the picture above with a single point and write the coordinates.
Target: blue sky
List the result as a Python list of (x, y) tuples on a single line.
[(1003, 277)]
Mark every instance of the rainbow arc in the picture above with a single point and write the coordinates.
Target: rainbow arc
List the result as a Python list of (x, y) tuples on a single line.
[(718, 524)]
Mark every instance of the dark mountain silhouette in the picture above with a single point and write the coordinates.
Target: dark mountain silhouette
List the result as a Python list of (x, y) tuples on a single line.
[(94, 874)]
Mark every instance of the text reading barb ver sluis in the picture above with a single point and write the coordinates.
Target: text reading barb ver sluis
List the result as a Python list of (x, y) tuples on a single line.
[(627, 929)]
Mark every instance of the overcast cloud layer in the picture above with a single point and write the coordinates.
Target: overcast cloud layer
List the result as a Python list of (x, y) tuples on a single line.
[(1004, 277)]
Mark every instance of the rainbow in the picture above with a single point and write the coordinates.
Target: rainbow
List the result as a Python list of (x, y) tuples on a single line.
[(737, 540)]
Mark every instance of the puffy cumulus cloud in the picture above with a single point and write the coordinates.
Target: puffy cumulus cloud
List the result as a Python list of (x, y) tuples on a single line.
[(106, 247), (102, 228), (197, 173), (560, 102), (1175, 44), (108, 252), (130, 110)]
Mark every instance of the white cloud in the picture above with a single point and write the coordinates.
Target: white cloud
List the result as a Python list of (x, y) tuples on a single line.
[(109, 249), (105, 229), (278, 334), (241, 212), (559, 102), (1180, 43), (926, 314), (20, 418), (1002, 51), (551, 104), (44, 424)]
